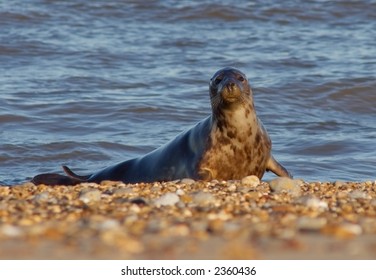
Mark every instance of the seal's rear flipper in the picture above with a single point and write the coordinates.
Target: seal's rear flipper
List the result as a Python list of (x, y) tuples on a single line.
[(73, 175), (52, 179)]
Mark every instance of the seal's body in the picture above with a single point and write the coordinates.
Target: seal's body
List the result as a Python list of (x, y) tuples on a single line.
[(230, 144), (175, 160)]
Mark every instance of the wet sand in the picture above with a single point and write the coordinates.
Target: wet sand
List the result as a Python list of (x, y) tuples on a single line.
[(281, 219)]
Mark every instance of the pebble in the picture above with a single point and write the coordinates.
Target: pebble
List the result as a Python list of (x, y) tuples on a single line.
[(373, 202), (287, 233), (186, 198), (200, 225), (310, 224), (11, 231), (251, 181), (119, 239), (215, 225), (284, 184), (180, 192), (155, 189), (221, 215), (357, 194), (343, 231), (178, 230), (203, 198), (313, 202), (123, 191), (187, 181), (139, 201), (89, 196), (109, 224), (134, 208), (339, 184), (168, 199), (231, 227), (42, 197), (232, 188), (369, 225)]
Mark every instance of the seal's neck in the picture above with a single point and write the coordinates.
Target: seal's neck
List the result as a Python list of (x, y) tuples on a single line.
[(237, 118)]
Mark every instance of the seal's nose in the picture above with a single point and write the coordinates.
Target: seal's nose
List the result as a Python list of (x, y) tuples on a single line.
[(231, 85), (231, 90)]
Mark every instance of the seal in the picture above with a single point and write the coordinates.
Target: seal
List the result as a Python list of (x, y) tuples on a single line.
[(229, 144)]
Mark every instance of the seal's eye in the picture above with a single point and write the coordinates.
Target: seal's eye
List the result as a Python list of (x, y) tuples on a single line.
[(241, 79), (217, 80)]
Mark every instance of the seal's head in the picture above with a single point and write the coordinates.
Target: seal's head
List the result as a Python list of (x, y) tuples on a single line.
[(228, 88)]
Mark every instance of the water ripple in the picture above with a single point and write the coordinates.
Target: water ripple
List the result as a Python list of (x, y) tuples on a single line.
[(84, 81)]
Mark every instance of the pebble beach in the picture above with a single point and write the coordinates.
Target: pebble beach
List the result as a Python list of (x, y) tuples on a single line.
[(187, 219)]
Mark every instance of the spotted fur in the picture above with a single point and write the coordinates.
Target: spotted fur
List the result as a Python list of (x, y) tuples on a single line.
[(238, 144)]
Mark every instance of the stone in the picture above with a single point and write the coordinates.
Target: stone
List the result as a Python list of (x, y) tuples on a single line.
[(343, 230), (310, 224), (313, 202), (11, 231), (168, 199), (41, 197), (284, 184), (89, 196), (123, 191), (232, 188), (180, 192), (251, 181), (357, 194), (187, 181), (203, 198)]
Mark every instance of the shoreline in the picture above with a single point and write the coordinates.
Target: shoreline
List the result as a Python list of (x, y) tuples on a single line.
[(245, 219)]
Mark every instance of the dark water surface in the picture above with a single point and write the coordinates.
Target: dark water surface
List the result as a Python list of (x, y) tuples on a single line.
[(92, 83)]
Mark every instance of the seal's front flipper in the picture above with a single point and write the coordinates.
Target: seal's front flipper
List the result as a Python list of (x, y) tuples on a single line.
[(275, 167), (52, 179)]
